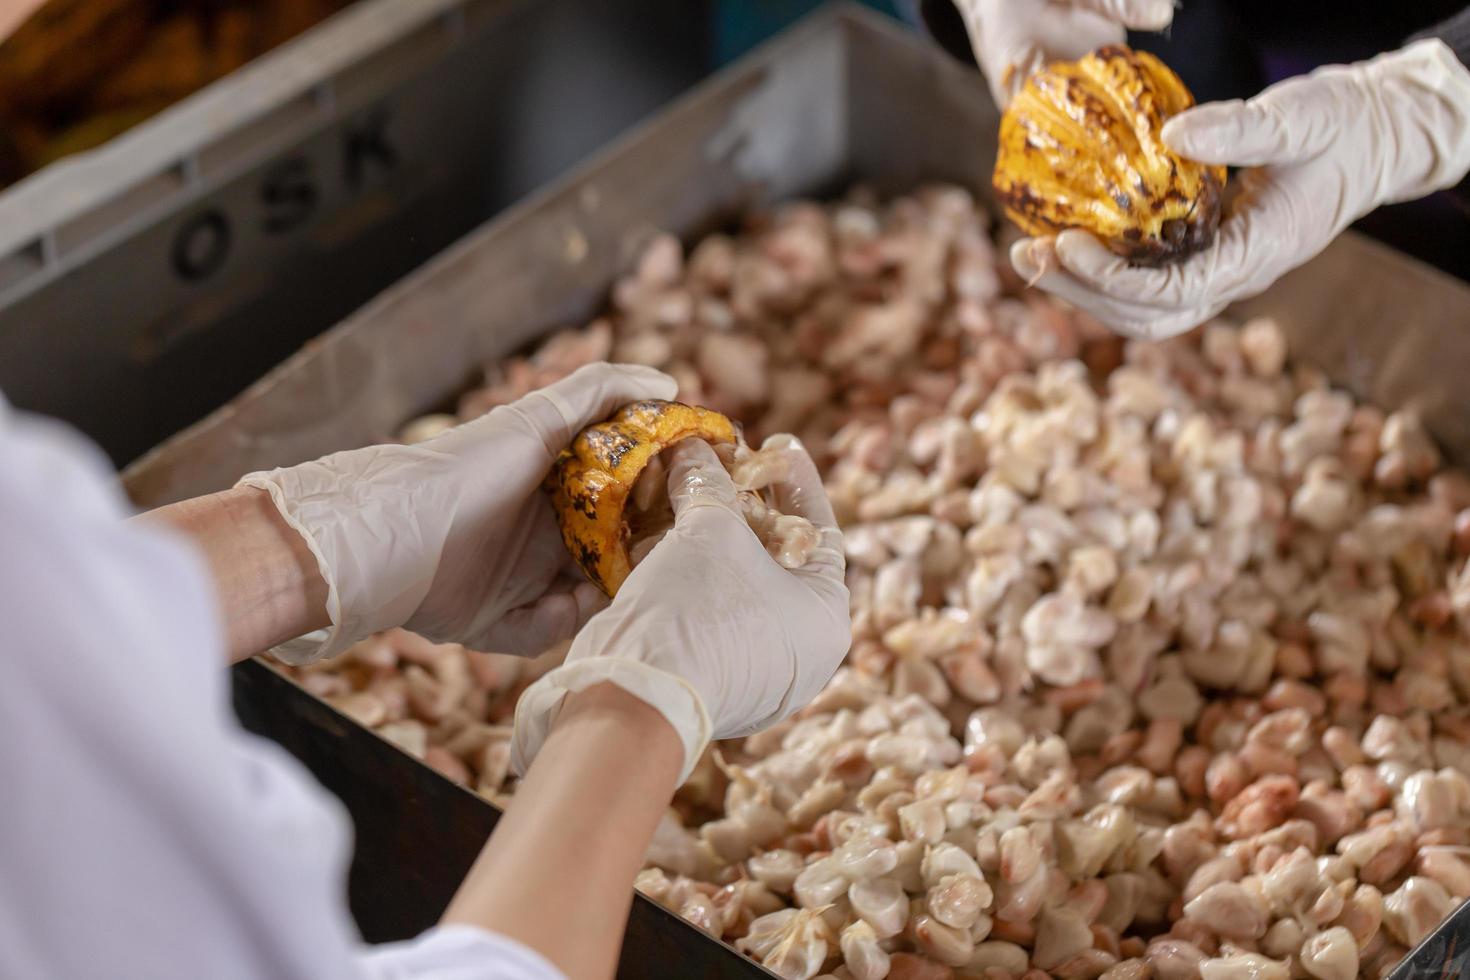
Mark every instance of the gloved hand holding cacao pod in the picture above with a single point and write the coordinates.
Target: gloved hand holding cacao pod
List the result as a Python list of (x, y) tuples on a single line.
[(1081, 144), (1081, 147), (455, 538), (711, 629), (1327, 148), (1092, 163)]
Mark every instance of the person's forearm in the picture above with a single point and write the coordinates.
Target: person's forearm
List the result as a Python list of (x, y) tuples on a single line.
[(270, 589), (557, 874)]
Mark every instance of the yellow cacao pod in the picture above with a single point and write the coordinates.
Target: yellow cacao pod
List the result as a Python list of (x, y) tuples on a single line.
[(592, 479), (1081, 147)]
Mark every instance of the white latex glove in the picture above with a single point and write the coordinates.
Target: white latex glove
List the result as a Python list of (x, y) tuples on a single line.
[(1330, 147), (709, 629), (1013, 38), (455, 538)]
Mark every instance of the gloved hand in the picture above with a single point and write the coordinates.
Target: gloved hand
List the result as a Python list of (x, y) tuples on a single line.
[(455, 538), (709, 629), (1330, 147), (1013, 38)]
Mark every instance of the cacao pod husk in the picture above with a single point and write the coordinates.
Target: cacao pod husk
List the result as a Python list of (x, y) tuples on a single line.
[(592, 479), (1081, 147)]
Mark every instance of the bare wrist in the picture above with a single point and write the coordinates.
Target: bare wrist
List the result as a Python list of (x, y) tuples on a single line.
[(269, 585), (576, 834), (608, 705)]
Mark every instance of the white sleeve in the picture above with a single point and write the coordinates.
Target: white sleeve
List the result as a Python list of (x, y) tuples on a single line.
[(458, 952), (143, 834)]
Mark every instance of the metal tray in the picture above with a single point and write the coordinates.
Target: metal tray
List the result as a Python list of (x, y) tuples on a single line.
[(147, 281), (844, 96)]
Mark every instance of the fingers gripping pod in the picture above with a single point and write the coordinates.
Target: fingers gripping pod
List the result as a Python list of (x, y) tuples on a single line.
[(1081, 147), (594, 477)]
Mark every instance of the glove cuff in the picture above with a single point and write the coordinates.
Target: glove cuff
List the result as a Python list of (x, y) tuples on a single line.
[(374, 581), (668, 694), (1440, 115), (1454, 32), (331, 644)]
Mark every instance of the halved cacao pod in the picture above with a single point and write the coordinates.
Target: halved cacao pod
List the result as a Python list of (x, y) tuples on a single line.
[(1081, 147), (593, 477)]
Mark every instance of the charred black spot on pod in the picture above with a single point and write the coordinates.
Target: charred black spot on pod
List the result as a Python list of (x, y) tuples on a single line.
[(608, 445), (648, 405), (1024, 197), (584, 504), (1175, 231), (588, 557)]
